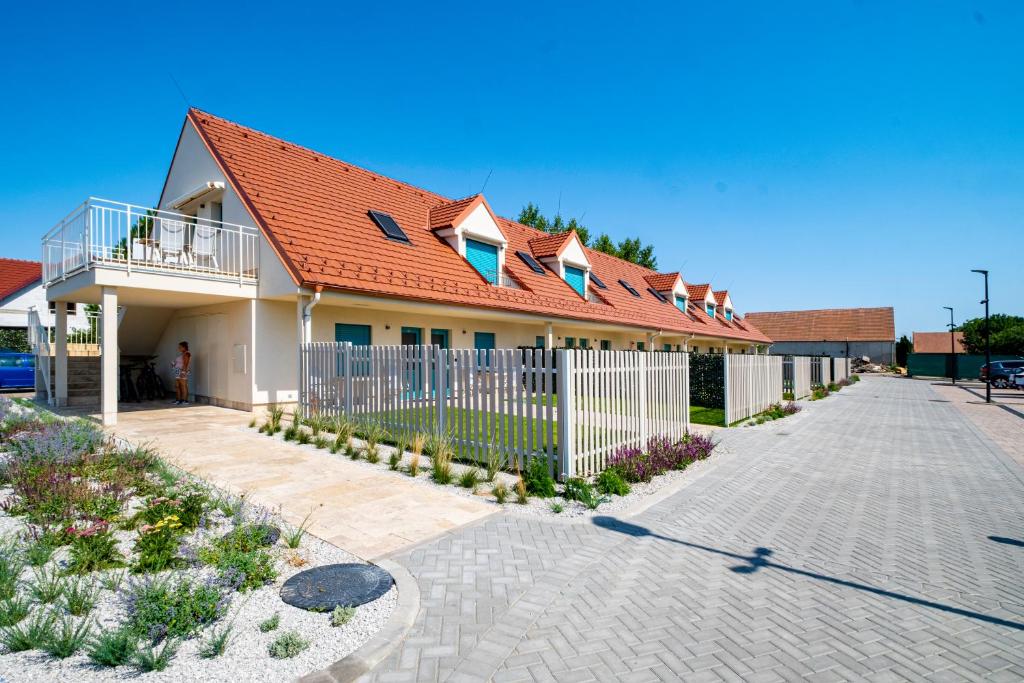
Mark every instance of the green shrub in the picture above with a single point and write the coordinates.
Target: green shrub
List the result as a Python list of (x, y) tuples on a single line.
[(577, 488), (40, 551), (247, 537), (538, 481), (157, 546), (187, 504), (11, 565), (302, 437), (469, 478), (114, 648), (13, 610), (788, 396), (287, 645), (293, 536), (342, 615), (217, 643), (832, 387), (48, 586), (557, 508), (153, 659), (94, 548), (80, 596), (500, 492), (68, 637), (33, 634), (394, 460), (160, 608), (243, 570), (609, 482), (112, 581), (268, 625), (290, 433)]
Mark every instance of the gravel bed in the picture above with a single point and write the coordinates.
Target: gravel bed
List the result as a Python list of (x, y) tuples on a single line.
[(247, 657), (535, 507)]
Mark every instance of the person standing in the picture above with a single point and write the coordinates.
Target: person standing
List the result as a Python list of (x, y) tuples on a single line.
[(182, 365)]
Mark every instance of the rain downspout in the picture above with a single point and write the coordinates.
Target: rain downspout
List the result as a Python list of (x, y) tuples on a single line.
[(307, 315)]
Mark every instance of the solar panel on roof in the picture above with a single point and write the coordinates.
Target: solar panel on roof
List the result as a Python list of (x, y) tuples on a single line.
[(597, 281), (529, 260), (657, 295), (388, 226), (629, 288)]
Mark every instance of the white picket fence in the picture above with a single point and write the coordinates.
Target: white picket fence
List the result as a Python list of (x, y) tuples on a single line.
[(801, 376), (826, 371), (752, 384), (574, 408), (620, 398), (840, 369)]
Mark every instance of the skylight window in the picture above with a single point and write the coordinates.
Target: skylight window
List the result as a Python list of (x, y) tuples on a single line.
[(629, 288), (531, 262), (597, 281), (388, 226), (657, 295)]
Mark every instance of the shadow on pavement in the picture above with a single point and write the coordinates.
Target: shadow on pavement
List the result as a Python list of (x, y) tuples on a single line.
[(760, 560), (1007, 541)]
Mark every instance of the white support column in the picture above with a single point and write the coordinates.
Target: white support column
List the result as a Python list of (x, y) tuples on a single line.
[(549, 336), (60, 355), (108, 356)]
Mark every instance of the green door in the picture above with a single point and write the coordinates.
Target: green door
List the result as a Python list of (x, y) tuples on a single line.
[(412, 336), (357, 335)]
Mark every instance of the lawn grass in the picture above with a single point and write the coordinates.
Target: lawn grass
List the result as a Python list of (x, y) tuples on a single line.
[(707, 416)]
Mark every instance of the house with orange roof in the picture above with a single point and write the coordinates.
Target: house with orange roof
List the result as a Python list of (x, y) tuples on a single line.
[(257, 245), (21, 291), (836, 332)]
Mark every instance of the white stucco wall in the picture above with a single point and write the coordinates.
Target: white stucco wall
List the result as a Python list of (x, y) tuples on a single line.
[(14, 310), (215, 334)]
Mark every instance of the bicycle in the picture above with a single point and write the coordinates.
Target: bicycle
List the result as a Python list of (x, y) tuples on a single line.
[(149, 385)]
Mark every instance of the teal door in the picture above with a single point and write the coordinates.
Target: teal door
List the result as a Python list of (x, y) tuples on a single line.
[(483, 341), (412, 336), (483, 257), (576, 279), (357, 335), (439, 338)]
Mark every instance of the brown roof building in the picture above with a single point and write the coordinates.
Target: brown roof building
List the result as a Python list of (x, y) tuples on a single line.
[(938, 342), (849, 332)]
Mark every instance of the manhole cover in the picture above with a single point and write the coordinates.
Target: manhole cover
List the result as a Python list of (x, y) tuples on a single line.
[(321, 589), (270, 534)]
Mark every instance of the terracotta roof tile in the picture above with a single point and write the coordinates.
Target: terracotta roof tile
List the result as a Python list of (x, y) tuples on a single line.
[(442, 215), (938, 342), (662, 282), (831, 324), (313, 210), (16, 275), (547, 246), (699, 292)]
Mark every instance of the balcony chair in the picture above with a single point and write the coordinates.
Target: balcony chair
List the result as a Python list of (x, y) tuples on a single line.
[(172, 240), (204, 246)]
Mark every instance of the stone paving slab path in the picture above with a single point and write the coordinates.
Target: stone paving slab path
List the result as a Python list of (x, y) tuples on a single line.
[(365, 512), (877, 536)]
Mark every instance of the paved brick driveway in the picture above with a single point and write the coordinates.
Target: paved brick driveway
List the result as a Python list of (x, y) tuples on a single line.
[(849, 542)]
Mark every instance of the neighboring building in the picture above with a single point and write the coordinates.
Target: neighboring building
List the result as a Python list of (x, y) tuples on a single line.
[(260, 244), (21, 289), (938, 342), (836, 332)]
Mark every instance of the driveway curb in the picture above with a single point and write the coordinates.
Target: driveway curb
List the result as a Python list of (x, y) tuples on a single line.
[(354, 665)]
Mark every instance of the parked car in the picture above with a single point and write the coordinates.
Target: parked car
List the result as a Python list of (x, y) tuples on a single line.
[(17, 370), (1002, 372), (1018, 380)]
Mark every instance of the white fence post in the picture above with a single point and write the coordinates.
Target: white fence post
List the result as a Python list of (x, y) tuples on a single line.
[(644, 384), (346, 368), (726, 394), (566, 415), (440, 360)]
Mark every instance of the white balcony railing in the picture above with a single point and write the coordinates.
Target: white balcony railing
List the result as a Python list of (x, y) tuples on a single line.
[(103, 233)]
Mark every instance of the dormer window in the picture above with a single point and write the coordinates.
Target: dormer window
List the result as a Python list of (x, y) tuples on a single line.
[(483, 257), (577, 279), (728, 314), (709, 308), (472, 229), (564, 254), (681, 303)]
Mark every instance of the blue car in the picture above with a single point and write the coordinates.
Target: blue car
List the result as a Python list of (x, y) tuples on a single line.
[(17, 370)]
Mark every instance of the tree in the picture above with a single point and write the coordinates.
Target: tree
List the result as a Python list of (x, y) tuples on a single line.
[(628, 249), (903, 348), (1007, 334)]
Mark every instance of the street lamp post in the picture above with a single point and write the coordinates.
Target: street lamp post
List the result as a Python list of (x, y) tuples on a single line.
[(952, 344), (988, 345)]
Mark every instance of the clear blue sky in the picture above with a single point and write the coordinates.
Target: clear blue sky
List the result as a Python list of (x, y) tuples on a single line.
[(804, 155)]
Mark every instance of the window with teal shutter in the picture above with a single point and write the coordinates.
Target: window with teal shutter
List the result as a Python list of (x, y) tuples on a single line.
[(728, 314), (710, 308), (483, 257), (577, 279), (681, 303)]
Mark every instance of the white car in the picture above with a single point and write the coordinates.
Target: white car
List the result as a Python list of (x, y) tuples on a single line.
[(1018, 380)]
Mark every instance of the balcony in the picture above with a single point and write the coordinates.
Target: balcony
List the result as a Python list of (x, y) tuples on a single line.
[(102, 234)]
